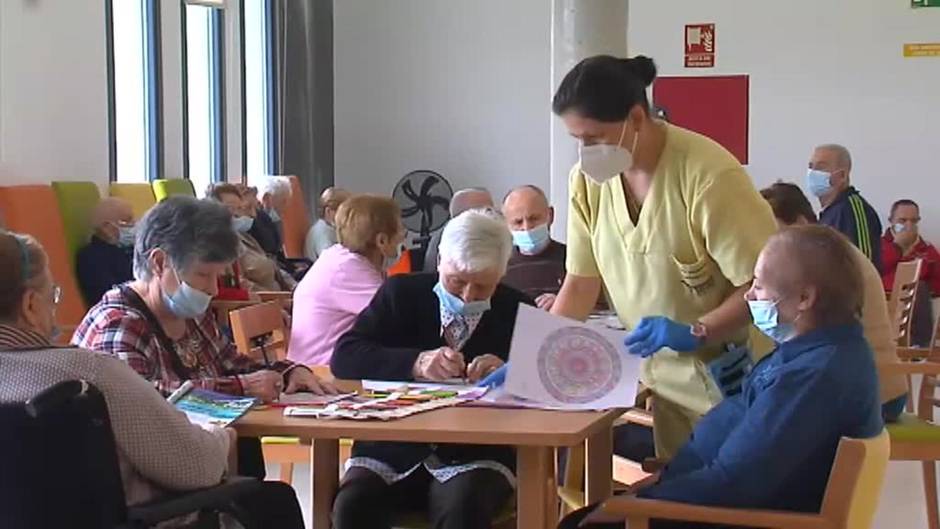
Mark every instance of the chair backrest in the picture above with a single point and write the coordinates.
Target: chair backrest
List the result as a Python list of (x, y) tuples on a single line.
[(855, 481), (77, 201), (34, 209), (296, 221), (59, 461), (403, 266), (140, 196), (263, 321), (171, 187), (903, 297)]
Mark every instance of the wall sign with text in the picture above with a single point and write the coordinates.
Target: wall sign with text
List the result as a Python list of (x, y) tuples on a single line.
[(700, 46)]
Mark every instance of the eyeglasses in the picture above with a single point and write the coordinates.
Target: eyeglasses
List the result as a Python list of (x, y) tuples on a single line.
[(56, 294)]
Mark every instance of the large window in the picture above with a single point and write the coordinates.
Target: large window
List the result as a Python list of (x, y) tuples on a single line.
[(134, 71), (204, 92), (258, 90)]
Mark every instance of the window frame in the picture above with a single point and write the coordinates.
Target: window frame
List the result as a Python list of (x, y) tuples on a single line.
[(153, 90), (217, 100), (268, 68)]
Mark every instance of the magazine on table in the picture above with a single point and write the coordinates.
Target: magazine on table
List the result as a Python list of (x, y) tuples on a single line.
[(209, 408)]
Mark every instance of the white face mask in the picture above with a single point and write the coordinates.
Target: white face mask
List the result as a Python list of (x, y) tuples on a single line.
[(601, 162)]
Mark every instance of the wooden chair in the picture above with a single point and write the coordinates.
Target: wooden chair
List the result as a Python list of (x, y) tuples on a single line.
[(902, 298), (917, 437), (850, 501)]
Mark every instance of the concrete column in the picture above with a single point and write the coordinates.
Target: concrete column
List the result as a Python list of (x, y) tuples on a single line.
[(580, 28)]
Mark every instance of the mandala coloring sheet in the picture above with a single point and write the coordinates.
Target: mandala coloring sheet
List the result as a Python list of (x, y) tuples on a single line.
[(568, 364)]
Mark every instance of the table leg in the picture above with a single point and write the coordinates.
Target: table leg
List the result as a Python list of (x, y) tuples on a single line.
[(599, 464), (324, 480), (535, 488)]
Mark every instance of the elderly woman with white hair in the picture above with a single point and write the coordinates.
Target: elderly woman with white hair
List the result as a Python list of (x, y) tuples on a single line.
[(433, 327)]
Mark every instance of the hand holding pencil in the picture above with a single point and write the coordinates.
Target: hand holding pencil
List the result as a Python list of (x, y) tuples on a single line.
[(439, 364)]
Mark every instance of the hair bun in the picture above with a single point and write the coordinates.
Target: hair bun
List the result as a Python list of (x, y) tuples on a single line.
[(643, 67)]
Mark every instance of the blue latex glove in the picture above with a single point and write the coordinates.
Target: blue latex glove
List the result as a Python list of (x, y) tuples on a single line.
[(654, 333), (495, 379)]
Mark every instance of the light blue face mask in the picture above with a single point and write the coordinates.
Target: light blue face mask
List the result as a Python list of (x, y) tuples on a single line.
[(275, 216), (126, 236), (242, 224), (187, 302), (531, 242), (766, 318), (391, 261), (818, 182), (459, 307), (899, 228)]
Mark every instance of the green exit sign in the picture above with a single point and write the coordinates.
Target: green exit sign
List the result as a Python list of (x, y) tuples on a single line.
[(925, 3)]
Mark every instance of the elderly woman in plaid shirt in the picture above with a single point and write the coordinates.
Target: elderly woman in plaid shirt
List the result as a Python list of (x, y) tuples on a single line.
[(159, 322)]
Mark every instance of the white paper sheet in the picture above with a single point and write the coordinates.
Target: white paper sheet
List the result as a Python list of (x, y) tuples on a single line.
[(570, 365)]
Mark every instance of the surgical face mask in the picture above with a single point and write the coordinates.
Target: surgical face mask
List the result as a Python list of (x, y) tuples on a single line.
[(187, 302), (899, 228), (459, 307), (390, 261), (767, 319), (531, 242), (818, 182), (126, 236), (242, 224), (601, 162)]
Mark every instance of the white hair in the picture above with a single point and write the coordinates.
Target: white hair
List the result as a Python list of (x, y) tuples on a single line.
[(844, 157), (275, 185), (476, 240), (470, 198)]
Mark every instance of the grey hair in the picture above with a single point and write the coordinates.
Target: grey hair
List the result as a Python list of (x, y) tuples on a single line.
[(476, 240), (842, 154), (463, 200), (189, 231), (275, 185)]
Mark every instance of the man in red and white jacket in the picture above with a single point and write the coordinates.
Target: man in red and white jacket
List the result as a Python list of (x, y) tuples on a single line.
[(902, 242)]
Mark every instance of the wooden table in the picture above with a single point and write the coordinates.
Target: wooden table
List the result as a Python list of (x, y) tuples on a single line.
[(533, 433)]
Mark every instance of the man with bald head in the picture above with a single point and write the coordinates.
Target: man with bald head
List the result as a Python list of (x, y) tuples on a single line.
[(843, 208), (107, 259), (463, 200), (537, 265)]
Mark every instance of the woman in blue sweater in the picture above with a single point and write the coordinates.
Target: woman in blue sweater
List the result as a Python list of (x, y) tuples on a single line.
[(772, 445)]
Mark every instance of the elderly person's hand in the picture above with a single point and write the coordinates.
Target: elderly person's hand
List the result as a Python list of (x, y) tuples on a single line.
[(482, 366), (439, 364), (545, 301), (264, 384), (302, 379)]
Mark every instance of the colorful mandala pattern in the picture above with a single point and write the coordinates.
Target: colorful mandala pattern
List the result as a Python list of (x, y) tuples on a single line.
[(578, 365)]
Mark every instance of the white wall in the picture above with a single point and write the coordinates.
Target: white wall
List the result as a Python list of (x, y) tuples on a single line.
[(53, 91), (822, 72), (460, 87)]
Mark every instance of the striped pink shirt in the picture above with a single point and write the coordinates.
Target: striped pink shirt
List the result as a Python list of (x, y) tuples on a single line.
[(327, 301)]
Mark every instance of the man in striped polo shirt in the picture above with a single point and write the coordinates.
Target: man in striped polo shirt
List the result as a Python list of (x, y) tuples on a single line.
[(843, 208)]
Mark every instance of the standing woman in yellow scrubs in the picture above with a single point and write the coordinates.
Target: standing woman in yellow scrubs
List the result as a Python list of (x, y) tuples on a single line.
[(670, 223)]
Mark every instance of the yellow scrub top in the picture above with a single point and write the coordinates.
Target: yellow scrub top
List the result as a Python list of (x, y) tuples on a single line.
[(697, 238)]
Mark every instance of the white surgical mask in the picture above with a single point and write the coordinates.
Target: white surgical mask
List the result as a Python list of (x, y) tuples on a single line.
[(126, 236), (242, 224), (187, 302), (899, 228), (767, 318), (601, 162)]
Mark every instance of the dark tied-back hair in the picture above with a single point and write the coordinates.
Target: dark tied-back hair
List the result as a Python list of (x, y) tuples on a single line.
[(605, 88), (902, 202), (789, 203)]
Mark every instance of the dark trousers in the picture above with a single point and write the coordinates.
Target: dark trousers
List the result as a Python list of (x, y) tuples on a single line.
[(467, 501), (274, 506), (250, 458)]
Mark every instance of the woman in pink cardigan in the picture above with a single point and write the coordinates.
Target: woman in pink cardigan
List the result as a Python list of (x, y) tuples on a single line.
[(345, 277)]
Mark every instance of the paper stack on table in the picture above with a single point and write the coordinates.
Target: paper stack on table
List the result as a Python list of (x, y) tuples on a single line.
[(570, 365), (390, 400)]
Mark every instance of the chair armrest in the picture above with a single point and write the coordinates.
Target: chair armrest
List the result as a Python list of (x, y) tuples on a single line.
[(909, 368), (217, 497), (632, 508), (913, 353), (635, 416)]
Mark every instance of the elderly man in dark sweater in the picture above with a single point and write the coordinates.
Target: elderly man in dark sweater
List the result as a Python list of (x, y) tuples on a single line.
[(107, 259)]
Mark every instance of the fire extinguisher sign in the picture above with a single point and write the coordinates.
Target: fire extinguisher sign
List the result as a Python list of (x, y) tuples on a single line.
[(700, 45)]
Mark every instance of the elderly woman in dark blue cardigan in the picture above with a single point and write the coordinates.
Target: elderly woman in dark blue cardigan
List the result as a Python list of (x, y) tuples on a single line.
[(432, 327), (772, 445)]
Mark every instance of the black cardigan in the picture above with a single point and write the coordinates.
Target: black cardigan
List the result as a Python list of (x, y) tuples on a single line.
[(403, 320)]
